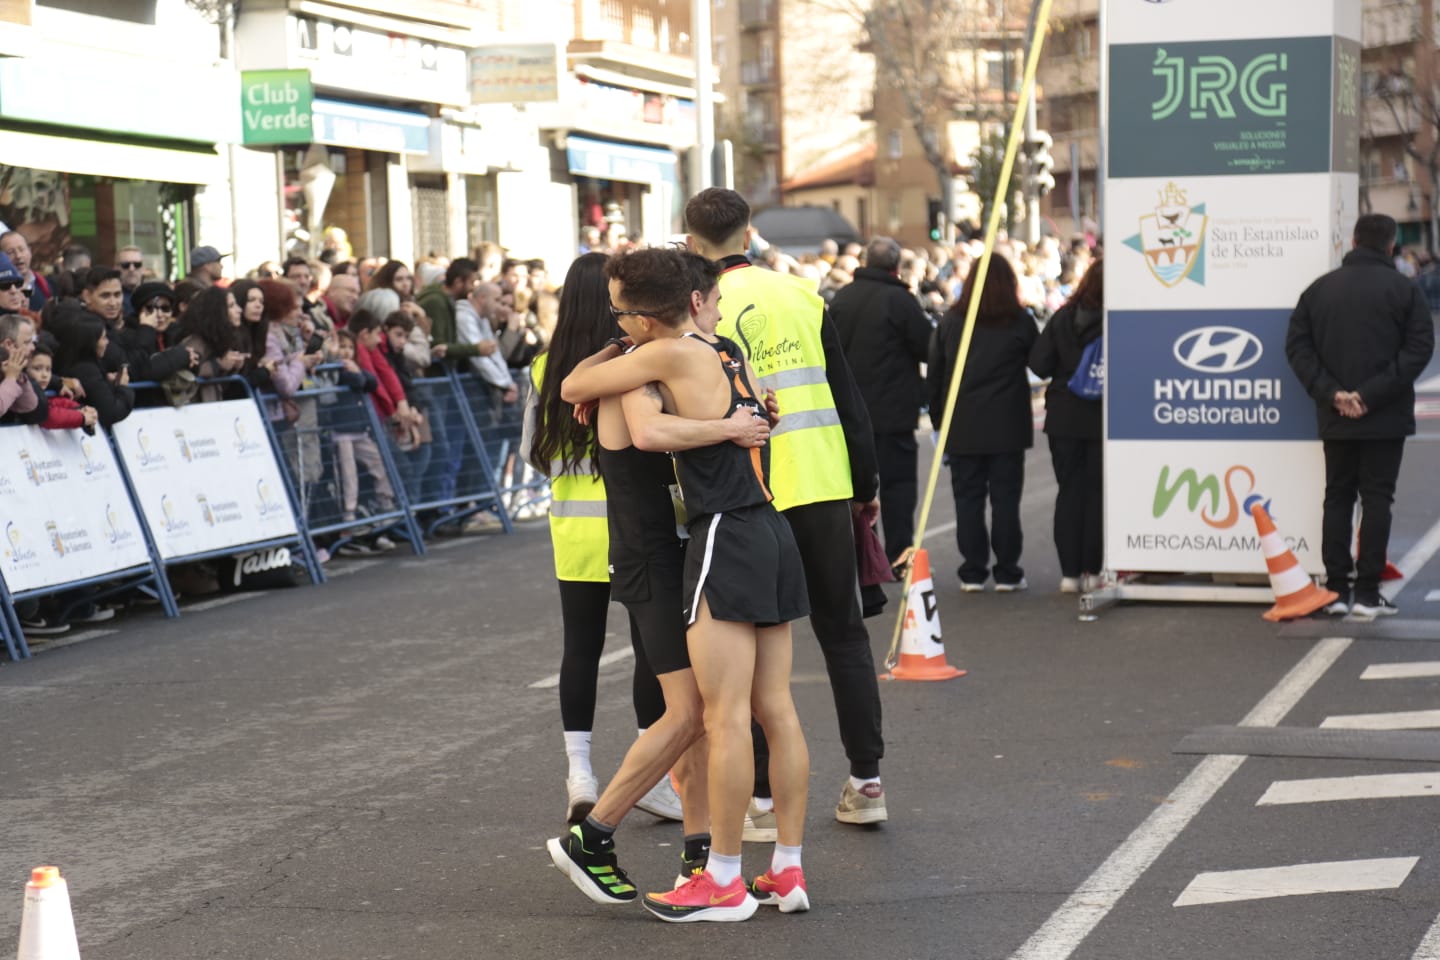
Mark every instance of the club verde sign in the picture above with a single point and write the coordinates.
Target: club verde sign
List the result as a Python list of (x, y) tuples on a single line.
[(276, 106)]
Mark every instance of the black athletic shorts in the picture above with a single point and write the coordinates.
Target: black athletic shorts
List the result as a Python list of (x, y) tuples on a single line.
[(747, 565), (651, 590)]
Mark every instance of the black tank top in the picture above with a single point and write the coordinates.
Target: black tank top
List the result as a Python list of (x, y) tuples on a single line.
[(726, 476), (640, 510)]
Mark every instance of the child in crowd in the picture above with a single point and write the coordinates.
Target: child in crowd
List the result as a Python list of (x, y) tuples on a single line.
[(66, 413), (352, 447)]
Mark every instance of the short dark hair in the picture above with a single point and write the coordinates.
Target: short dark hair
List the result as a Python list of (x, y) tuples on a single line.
[(361, 321), (535, 264), (704, 272), (345, 333), (882, 253), (461, 268), (717, 214), (1376, 231), (656, 280), (510, 263), (400, 319), (294, 262), (98, 275)]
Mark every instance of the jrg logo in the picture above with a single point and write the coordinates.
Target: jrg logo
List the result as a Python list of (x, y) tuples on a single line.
[(1211, 81)]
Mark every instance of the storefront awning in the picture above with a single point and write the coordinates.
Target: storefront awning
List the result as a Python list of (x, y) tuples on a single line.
[(607, 160), (344, 124), (109, 158)]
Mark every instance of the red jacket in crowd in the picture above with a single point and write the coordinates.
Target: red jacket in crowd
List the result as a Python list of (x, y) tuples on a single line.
[(64, 415), (389, 394)]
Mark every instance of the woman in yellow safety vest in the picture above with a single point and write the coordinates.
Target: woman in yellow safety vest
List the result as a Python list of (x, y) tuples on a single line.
[(564, 450)]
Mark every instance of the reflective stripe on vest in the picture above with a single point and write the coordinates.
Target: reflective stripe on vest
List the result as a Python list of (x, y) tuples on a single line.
[(579, 531), (585, 467), (776, 321)]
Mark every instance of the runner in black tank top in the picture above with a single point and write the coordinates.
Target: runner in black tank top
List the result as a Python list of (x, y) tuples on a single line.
[(733, 528), (646, 552)]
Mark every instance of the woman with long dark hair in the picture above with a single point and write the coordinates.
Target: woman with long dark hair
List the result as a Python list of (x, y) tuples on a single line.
[(1073, 426), (992, 426), (212, 329), (564, 449), (394, 275), (82, 338)]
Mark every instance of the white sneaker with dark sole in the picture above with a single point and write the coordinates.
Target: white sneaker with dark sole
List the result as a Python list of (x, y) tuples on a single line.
[(582, 790), (1364, 611), (759, 826), (662, 801)]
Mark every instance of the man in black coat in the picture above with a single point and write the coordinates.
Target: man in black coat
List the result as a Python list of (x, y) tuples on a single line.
[(886, 337), (1358, 339)]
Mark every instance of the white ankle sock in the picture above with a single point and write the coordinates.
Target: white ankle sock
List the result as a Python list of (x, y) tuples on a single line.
[(722, 869), (577, 750), (763, 804), (858, 783), (784, 857)]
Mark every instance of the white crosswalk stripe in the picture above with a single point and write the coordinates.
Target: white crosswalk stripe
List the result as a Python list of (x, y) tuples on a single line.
[(1303, 879), (1402, 671), (1375, 787), (1403, 720)]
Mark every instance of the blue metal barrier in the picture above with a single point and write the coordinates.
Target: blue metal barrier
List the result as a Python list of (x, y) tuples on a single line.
[(455, 478), (499, 426), (337, 432)]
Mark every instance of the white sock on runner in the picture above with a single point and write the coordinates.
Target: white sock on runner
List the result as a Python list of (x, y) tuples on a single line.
[(577, 750), (722, 869), (858, 783), (783, 858)]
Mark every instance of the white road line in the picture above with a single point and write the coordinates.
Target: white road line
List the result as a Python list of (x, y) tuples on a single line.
[(1405, 720), (1382, 786), (1414, 560), (1429, 385), (1302, 879), (1402, 671), (224, 601), (1432, 595), (1429, 948), (554, 679), (355, 566), (41, 644), (1088, 905)]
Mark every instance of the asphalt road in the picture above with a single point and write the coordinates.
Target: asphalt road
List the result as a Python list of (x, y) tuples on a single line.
[(369, 770)]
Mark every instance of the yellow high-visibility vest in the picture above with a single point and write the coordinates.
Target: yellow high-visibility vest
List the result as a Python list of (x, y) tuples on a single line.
[(579, 530), (776, 321)]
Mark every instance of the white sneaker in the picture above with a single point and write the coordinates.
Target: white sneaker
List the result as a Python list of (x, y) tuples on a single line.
[(1365, 611), (968, 587), (662, 801), (759, 825), (1069, 584), (582, 790), (1090, 582), (1018, 585)]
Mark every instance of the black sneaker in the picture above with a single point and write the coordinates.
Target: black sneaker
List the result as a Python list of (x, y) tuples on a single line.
[(1341, 606), (43, 627), (1369, 609), (597, 874)]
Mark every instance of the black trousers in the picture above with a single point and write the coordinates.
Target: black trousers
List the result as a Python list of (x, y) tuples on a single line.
[(583, 608), (1079, 503), (1000, 478), (827, 549), (1369, 469), (898, 456)]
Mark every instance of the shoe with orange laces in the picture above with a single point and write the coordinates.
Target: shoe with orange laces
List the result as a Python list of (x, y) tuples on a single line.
[(701, 899), (785, 890)]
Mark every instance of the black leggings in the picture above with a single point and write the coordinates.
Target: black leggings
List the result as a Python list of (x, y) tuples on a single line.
[(583, 609)]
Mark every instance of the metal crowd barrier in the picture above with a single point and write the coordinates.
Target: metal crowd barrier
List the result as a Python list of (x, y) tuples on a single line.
[(346, 478), (455, 478), (499, 426)]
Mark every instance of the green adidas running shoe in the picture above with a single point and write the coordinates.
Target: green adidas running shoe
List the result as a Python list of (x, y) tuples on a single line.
[(596, 873)]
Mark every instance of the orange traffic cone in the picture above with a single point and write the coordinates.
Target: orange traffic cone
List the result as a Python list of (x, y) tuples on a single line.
[(922, 655), (47, 930), (1295, 593)]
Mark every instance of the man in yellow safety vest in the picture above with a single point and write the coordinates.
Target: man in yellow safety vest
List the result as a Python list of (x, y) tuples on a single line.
[(822, 467)]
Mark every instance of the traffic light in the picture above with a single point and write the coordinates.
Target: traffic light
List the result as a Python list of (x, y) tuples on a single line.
[(935, 218), (1039, 180)]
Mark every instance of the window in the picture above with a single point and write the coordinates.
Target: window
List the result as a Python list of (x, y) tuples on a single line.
[(893, 145)]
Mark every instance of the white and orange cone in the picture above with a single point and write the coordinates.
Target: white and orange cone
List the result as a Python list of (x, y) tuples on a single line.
[(1295, 592), (47, 930), (922, 654)]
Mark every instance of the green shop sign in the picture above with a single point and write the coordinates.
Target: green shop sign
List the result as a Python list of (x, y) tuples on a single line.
[(275, 106), (1221, 108)]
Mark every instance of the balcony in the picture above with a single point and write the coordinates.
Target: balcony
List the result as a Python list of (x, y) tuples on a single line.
[(755, 14), (762, 133), (1390, 24), (757, 74)]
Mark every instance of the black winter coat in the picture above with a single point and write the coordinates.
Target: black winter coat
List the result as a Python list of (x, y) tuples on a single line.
[(1056, 355), (112, 403), (992, 413), (139, 346), (886, 336), (1366, 328)]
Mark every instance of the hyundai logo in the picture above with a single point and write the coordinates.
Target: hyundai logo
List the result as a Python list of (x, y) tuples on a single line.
[(1218, 350)]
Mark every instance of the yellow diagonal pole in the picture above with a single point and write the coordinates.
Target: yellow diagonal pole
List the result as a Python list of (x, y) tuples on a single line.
[(981, 269)]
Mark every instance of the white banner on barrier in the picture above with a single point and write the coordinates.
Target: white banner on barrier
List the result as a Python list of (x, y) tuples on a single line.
[(206, 477), (64, 508)]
